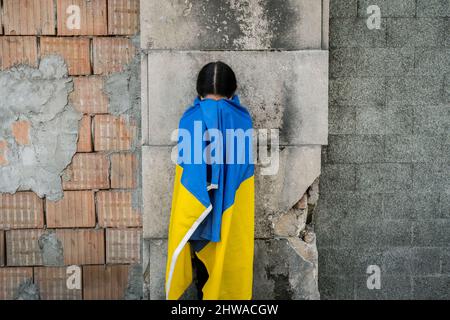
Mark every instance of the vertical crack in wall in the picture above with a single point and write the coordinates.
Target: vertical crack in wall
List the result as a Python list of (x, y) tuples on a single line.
[(38, 128)]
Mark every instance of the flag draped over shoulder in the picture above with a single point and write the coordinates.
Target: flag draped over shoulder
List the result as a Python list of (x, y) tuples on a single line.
[(213, 201)]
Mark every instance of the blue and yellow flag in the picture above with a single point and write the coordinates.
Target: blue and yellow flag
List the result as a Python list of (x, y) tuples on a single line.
[(213, 201)]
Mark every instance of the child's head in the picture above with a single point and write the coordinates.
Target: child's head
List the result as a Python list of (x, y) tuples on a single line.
[(216, 78)]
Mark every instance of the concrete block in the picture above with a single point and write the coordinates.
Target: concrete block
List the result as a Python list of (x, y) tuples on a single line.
[(355, 149), (294, 100), (444, 202), (338, 177), (416, 32), (325, 24), (232, 25), (445, 258), (354, 91), (434, 234), (343, 8), (431, 288), (336, 287), (373, 62), (383, 177), (275, 195), (426, 261), (383, 120), (412, 148), (342, 119), (430, 120), (285, 269), (433, 8), (389, 8), (353, 32), (432, 61), (428, 177), (384, 234), (392, 288)]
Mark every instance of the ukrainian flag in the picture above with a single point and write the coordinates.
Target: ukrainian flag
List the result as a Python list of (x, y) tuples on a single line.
[(213, 201)]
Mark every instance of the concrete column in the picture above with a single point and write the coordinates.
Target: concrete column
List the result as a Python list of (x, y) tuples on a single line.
[(278, 50)]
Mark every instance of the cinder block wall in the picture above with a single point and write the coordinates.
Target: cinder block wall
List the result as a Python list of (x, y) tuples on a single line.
[(97, 224), (385, 185), (278, 50)]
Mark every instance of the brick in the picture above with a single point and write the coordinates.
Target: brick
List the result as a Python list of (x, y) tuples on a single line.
[(105, 282), (18, 50), (353, 32), (11, 279), (123, 171), (21, 132), (389, 8), (85, 135), (75, 52), (112, 54), (384, 177), (28, 17), (115, 209), (112, 133), (76, 209), (87, 171), (384, 120), (123, 17), (416, 32), (433, 8), (93, 18), (3, 153), (22, 210), (2, 248), (82, 246), (354, 91), (22, 247), (88, 96), (52, 283), (123, 246)]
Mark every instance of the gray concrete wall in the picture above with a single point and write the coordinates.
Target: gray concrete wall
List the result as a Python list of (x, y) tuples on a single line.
[(279, 51), (385, 185)]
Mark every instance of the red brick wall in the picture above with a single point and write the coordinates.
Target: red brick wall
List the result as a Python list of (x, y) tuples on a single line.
[(96, 223)]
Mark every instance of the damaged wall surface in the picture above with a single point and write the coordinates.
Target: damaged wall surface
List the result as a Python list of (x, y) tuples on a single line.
[(284, 89), (70, 200), (385, 186)]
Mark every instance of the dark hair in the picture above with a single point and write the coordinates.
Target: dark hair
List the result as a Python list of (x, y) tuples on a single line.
[(216, 78)]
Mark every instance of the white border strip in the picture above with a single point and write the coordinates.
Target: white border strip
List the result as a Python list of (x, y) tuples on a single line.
[(180, 247), (212, 186)]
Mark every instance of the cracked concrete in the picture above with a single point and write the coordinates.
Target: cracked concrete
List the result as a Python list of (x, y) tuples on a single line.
[(38, 128), (27, 291), (51, 249)]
